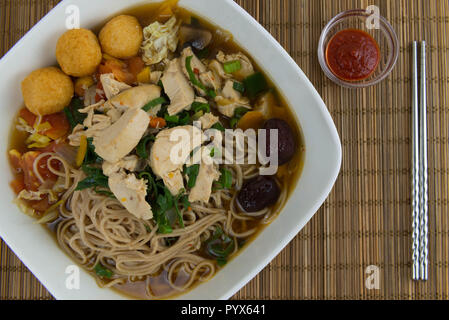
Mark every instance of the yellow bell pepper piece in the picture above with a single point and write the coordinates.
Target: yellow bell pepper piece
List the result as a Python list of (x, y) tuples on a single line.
[(144, 76), (81, 151)]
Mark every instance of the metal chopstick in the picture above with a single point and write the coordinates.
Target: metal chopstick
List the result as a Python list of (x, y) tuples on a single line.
[(415, 166), (423, 205)]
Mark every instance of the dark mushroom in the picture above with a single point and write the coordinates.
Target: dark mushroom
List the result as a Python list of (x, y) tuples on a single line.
[(286, 146), (197, 37), (258, 193)]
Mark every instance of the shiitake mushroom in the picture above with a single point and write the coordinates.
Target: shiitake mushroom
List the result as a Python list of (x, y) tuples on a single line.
[(286, 140), (194, 36), (258, 193)]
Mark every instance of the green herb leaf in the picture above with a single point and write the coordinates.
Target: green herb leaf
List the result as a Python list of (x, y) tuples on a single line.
[(164, 202), (255, 84), (183, 199), (73, 115), (184, 118), (232, 66), (141, 148), (238, 86), (95, 179), (152, 191), (220, 246), (211, 93), (203, 54), (91, 156), (192, 76), (153, 103), (218, 126), (102, 271), (233, 122), (199, 106), (240, 112), (225, 180), (171, 119), (192, 173)]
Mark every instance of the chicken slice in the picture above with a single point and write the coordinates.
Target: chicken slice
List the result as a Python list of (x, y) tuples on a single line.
[(165, 161), (208, 120), (122, 137), (177, 88), (227, 107), (211, 80), (130, 163), (217, 67), (247, 68), (134, 98), (207, 174), (230, 99), (173, 181), (112, 87), (131, 193), (197, 66)]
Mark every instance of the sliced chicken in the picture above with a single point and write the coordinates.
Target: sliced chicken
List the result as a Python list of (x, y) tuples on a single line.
[(207, 77), (130, 163), (207, 174), (230, 99), (217, 67), (208, 120), (122, 137), (229, 92), (247, 67), (134, 98), (155, 76), (173, 181), (197, 66), (211, 80), (112, 87), (167, 157), (131, 193), (177, 87)]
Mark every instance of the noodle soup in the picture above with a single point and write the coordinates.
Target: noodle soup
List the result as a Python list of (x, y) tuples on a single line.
[(95, 170)]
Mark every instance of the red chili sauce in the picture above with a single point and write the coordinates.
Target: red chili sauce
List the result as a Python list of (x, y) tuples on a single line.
[(352, 55)]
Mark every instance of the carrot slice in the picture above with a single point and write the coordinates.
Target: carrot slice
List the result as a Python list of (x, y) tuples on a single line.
[(156, 122), (251, 120)]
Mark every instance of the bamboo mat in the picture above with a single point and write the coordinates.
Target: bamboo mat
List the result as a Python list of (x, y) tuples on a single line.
[(367, 218)]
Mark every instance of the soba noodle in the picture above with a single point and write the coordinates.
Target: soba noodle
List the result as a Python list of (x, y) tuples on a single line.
[(96, 229)]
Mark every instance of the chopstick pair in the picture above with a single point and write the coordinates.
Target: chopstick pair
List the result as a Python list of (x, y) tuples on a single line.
[(419, 166)]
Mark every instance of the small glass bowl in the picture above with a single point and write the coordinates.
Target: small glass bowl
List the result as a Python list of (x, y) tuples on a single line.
[(385, 36)]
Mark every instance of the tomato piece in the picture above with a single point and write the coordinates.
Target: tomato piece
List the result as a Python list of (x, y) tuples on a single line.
[(59, 125), (30, 179), (100, 95), (15, 158), (58, 121), (135, 65), (103, 69), (40, 205), (29, 117), (18, 184)]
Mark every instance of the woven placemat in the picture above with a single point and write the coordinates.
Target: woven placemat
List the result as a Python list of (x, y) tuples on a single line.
[(367, 218)]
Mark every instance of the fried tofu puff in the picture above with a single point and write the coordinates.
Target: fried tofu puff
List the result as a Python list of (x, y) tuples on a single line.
[(78, 52), (47, 90), (121, 37)]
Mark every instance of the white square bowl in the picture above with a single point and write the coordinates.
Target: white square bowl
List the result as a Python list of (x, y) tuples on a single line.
[(38, 249)]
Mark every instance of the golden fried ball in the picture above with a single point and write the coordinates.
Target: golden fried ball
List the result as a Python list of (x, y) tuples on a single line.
[(78, 52), (47, 90), (121, 37)]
